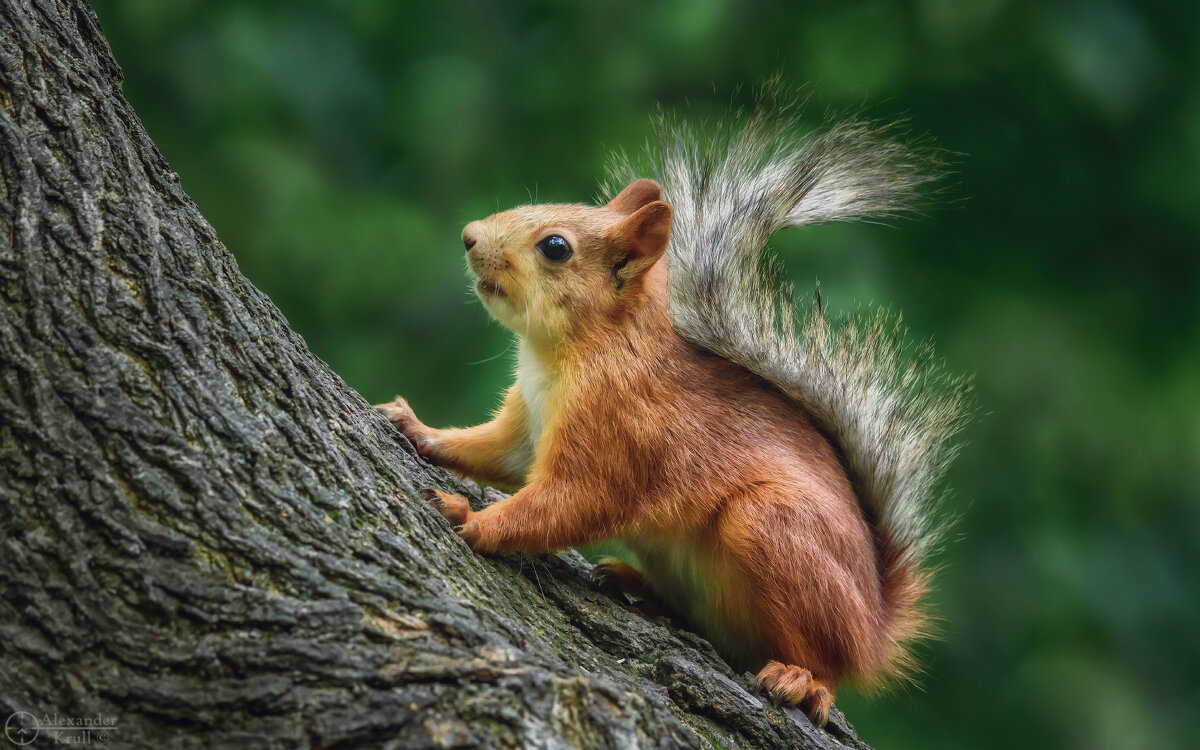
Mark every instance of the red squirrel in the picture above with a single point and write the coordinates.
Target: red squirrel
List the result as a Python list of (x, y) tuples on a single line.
[(774, 481)]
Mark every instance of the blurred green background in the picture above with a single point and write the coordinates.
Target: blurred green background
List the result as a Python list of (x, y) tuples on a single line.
[(338, 147)]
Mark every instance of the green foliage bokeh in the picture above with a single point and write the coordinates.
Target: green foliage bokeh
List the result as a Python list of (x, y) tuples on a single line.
[(338, 147)]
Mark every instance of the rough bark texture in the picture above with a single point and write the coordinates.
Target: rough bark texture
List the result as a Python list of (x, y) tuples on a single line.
[(212, 540)]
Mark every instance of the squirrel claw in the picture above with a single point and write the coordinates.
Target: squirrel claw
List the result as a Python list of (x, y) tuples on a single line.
[(397, 412), (454, 508), (469, 533)]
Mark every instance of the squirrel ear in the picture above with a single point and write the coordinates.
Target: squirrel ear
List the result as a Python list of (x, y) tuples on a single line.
[(645, 232), (635, 195), (641, 238)]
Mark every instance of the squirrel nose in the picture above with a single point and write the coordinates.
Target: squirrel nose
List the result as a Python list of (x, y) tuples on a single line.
[(469, 237)]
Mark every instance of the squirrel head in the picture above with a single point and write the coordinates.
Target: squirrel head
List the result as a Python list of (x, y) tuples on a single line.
[(550, 272)]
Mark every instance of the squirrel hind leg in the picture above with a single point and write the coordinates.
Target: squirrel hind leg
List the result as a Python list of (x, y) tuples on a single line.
[(789, 685)]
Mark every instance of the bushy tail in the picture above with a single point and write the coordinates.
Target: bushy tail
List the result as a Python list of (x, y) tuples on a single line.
[(887, 406)]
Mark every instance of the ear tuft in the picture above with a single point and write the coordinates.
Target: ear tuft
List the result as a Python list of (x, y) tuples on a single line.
[(635, 195)]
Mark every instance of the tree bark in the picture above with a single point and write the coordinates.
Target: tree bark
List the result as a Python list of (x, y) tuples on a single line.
[(209, 540)]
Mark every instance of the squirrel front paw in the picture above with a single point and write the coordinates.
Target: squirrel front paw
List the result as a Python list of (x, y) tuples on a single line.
[(456, 510), (401, 415)]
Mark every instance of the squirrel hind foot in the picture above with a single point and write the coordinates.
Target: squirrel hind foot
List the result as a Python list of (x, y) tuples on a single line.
[(609, 572), (789, 685), (617, 575)]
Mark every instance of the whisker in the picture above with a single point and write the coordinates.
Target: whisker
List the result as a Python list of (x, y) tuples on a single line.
[(516, 283), (504, 351)]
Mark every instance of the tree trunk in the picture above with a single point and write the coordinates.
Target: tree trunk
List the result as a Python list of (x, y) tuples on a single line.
[(209, 540)]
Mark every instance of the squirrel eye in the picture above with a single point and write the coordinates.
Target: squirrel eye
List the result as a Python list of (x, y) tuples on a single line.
[(555, 248)]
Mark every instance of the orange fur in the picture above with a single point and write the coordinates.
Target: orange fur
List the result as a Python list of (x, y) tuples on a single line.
[(738, 508)]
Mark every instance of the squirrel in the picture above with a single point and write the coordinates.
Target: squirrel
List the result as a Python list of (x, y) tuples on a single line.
[(774, 475)]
